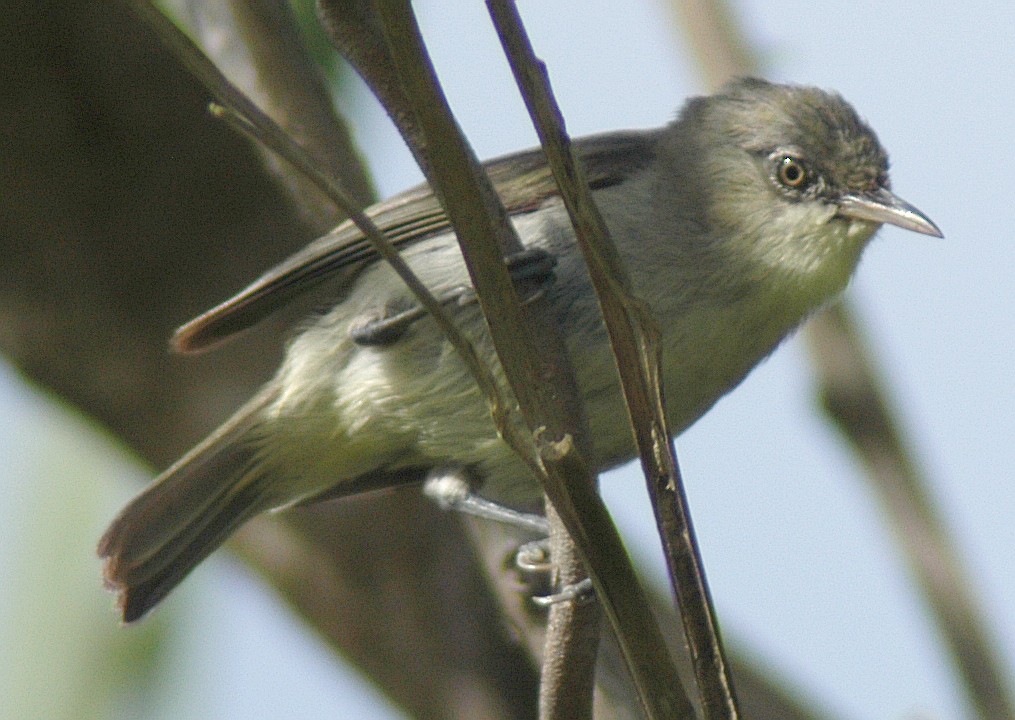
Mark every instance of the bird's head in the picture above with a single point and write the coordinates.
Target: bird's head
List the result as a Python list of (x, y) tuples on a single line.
[(792, 181)]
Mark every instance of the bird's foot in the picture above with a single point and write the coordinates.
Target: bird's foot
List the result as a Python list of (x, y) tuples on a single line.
[(450, 489)]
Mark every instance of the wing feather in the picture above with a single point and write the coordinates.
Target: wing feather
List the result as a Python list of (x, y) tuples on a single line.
[(523, 180)]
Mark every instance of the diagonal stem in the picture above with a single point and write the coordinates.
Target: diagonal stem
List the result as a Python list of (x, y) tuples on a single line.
[(566, 478), (634, 338)]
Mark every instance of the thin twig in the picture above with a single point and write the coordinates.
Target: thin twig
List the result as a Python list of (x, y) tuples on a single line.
[(258, 46), (634, 338), (241, 112), (569, 487), (571, 640), (568, 647)]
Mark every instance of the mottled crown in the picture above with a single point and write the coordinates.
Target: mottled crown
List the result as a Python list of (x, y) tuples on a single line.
[(821, 127)]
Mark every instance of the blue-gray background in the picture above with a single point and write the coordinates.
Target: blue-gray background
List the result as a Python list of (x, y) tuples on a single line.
[(793, 542)]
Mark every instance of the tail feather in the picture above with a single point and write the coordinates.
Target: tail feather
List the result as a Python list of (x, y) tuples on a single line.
[(186, 514)]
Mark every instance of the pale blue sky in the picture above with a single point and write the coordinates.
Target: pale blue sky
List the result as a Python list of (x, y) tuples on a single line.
[(791, 539)]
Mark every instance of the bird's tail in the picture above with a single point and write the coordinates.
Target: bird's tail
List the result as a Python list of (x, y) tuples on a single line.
[(185, 514)]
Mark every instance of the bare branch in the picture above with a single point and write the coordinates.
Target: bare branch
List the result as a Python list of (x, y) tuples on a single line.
[(481, 224), (355, 30), (569, 649), (634, 338), (572, 635)]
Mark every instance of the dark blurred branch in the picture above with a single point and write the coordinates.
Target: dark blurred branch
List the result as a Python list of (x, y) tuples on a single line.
[(853, 396), (855, 404), (126, 212), (243, 113), (258, 46), (634, 336)]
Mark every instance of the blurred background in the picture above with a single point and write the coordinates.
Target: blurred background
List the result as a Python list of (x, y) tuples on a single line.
[(803, 569)]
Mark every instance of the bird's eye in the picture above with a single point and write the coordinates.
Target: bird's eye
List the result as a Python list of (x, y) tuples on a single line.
[(791, 172)]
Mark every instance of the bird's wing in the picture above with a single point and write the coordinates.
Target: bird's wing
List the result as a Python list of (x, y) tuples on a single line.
[(523, 181)]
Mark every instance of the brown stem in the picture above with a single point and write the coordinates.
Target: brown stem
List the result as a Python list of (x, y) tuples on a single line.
[(855, 404), (534, 374), (634, 338), (259, 48)]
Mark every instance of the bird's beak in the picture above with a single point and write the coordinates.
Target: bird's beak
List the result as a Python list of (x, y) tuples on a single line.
[(882, 206)]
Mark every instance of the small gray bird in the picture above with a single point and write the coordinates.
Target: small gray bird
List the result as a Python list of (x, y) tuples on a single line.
[(735, 221)]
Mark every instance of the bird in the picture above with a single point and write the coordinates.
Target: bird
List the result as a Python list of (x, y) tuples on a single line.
[(735, 221)]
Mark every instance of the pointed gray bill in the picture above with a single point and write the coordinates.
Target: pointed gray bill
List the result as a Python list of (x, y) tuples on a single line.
[(883, 206)]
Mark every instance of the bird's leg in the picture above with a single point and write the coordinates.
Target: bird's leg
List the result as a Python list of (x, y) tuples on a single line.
[(528, 268), (450, 489)]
